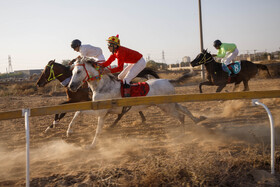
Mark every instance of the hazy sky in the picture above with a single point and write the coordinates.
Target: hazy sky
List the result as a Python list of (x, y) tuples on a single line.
[(36, 31)]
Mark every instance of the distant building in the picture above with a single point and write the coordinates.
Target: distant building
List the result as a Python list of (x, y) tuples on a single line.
[(186, 59)]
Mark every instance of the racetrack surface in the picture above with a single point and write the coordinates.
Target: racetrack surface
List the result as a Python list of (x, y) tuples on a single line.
[(230, 148)]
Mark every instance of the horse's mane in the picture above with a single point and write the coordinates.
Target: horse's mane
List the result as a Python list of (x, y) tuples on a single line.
[(59, 64), (93, 63)]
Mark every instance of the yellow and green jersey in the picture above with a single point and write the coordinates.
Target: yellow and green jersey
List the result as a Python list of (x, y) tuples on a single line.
[(225, 48)]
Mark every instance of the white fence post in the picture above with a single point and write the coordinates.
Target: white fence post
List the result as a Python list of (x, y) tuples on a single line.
[(26, 114), (272, 141)]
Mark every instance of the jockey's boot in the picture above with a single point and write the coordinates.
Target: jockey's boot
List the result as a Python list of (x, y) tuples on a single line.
[(232, 74), (229, 79), (126, 90)]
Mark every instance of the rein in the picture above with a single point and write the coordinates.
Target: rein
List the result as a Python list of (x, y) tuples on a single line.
[(52, 75), (89, 77)]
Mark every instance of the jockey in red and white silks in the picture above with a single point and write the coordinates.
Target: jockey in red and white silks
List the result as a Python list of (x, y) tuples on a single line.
[(135, 60)]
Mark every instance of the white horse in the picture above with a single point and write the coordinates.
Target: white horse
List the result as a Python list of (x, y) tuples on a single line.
[(108, 87)]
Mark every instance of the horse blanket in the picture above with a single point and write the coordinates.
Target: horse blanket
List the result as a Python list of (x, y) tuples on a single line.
[(234, 67), (137, 89)]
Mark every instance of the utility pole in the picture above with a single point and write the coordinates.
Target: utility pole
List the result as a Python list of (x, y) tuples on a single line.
[(163, 58), (10, 69), (201, 38)]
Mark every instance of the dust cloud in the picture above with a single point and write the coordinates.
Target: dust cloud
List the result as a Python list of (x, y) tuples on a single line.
[(60, 156), (233, 108)]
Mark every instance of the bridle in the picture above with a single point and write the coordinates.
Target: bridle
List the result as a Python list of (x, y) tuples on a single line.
[(52, 75), (204, 60), (89, 77)]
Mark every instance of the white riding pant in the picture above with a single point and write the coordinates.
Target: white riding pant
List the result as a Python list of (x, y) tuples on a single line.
[(229, 57), (132, 70)]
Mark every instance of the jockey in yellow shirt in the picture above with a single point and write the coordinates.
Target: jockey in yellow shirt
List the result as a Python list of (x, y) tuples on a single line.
[(226, 51)]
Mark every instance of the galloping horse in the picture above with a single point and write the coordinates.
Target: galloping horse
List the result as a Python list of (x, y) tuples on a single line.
[(107, 87), (63, 73), (216, 76)]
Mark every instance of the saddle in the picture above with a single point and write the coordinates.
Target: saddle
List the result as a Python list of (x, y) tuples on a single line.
[(137, 89), (234, 67)]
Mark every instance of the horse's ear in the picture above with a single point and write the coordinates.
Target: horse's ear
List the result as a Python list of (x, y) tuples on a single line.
[(204, 51), (50, 62)]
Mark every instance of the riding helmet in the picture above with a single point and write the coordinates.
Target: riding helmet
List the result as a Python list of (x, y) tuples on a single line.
[(76, 43), (114, 40), (217, 43)]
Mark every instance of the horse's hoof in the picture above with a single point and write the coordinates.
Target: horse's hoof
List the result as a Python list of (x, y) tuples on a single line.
[(201, 118), (112, 126), (143, 123), (68, 133), (54, 124), (47, 130), (89, 147)]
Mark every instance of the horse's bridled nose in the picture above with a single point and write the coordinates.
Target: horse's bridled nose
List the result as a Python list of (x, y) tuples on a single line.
[(192, 64), (72, 87)]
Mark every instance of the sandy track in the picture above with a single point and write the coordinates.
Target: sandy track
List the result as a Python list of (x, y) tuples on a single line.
[(230, 147)]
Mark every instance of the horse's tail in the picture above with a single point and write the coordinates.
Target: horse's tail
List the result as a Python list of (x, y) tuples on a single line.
[(181, 79), (263, 67), (146, 72)]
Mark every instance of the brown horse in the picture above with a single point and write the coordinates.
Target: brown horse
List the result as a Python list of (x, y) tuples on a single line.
[(217, 77), (63, 73)]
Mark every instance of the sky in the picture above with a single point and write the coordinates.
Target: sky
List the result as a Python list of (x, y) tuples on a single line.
[(33, 32)]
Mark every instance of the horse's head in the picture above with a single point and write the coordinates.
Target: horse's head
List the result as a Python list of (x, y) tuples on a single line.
[(52, 71), (202, 58), (44, 77), (85, 69)]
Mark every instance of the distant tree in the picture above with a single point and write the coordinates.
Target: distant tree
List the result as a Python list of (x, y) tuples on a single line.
[(12, 75), (152, 64), (156, 65), (184, 64)]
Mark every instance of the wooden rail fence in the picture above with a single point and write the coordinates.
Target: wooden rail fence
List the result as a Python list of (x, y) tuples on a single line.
[(104, 104)]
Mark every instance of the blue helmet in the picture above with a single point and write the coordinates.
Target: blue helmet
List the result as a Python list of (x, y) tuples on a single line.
[(76, 43), (217, 43)]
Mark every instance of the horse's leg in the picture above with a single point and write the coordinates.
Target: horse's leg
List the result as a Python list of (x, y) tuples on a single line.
[(117, 120), (71, 123), (101, 119), (54, 123), (221, 87), (124, 110), (121, 115), (236, 85), (142, 117), (185, 110), (57, 118), (171, 110), (204, 83), (246, 85)]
